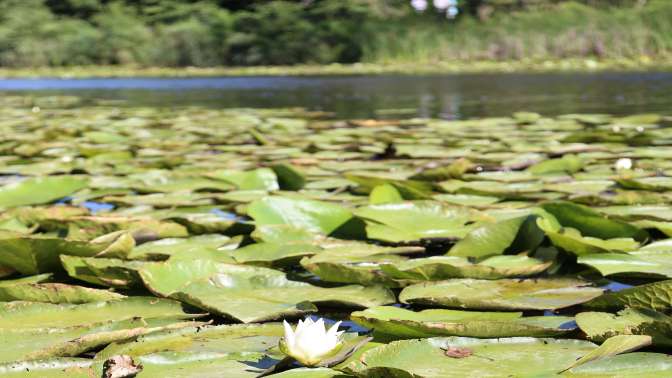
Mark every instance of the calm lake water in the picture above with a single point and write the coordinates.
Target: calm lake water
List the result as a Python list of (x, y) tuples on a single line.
[(446, 96)]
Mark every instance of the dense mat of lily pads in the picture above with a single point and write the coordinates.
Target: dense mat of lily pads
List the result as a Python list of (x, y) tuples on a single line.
[(174, 242)]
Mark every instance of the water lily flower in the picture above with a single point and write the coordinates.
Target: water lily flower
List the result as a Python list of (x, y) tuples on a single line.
[(623, 164), (310, 342)]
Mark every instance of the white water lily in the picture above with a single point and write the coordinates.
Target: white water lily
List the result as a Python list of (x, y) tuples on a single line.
[(623, 164), (310, 343)]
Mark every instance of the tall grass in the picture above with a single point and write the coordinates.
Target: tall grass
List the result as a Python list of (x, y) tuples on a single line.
[(570, 30)]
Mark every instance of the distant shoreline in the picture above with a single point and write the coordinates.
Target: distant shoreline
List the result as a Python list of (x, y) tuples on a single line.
[(569, 65)]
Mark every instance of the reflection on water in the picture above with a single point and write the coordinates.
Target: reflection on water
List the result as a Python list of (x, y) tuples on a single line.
[(447, 96), (614, 286)]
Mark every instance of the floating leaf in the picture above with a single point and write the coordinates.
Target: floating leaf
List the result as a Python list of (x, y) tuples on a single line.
[(504, 294), (637, 263), (34, 315), (566, 164), (258, 179), (591, 223), (249, 294), (404, 323), (495, 238), (599, 326), (613, 346), (33, 254), (656, 296), (489, 357), (49, 368), (625, 365), (385, 193), (314, 216), (414, 220), (444, 267), (34, 191)]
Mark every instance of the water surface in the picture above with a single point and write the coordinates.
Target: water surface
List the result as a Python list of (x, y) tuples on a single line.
[(445, 96)]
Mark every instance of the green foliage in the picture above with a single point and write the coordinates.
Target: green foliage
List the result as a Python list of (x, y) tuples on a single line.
[(282, 32), (570, 29), (206, 33)]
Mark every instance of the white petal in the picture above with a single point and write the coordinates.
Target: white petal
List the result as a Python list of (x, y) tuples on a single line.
[(289, 334), (332, 333)]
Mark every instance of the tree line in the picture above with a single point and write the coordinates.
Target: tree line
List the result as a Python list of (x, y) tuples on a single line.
[(225, 32)]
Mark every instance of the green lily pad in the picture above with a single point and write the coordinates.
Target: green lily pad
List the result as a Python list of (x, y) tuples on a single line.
[(192, 247), (590, 223), (654, 296), (504, 294), (55, 293), (571, 239), (613, 346), (273, 254), (40, 343), (289, 177), (200, 339), (567, 164), (258, 179), (385, 193), (353, 262), (97, 337), (409, 189), (33, 254), (49, 368), (409, 221), (310, 373), (114, 273), (35, 315), (402, 323), (599, 326), (638, 364), (176, 364), (461, 357), (247, 293), (314, 216), (637, 263), (444, 267), (39, 190), (496, 238)]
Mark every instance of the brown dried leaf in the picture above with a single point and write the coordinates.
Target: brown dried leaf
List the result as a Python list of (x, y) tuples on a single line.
[(120, 366), (457, 352)]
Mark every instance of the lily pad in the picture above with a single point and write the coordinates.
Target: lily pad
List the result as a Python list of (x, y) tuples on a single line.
[(414, 221), (496, 238), (33, 254), (55, 293), (590, 223), (48, 368), (480, 357), (314, 216), (571, 239), (402, 323), (504, 294), (34, 191), (444, 267), (636, 263), (34, 315), (636, 364), (599, 326), (613, 346), (193, 247), (258, 179), (247, 293), (655, 296)]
